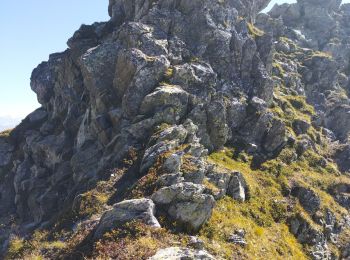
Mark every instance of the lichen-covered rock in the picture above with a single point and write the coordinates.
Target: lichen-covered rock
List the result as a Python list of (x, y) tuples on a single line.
[(126, 211), (185, 203), (304, 232), (165, 98), (228, 183), (237, 187), (238, 238)]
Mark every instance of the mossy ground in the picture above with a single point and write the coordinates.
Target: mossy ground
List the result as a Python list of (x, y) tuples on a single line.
[(269, 206)]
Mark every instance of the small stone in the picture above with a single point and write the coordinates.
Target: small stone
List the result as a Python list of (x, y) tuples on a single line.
[(196, 243), (238, 238), (237, 187), (173, 163)]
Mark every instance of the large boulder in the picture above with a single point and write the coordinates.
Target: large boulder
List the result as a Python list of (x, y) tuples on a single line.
[(186, 203), (126, 211), (165, 98)]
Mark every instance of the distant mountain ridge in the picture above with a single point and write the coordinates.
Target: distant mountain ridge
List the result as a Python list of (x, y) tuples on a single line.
[(7, 122)]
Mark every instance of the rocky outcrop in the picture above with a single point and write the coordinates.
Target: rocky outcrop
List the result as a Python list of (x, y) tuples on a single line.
[(232, 184), (186, 203), (138, 103), (341, 193), (307, 198), (150, 64)]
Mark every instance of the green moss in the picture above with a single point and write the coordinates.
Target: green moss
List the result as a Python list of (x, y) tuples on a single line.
[(16, 249), (322, 54), (279, 68), (271, 242), (169, 73), (38, 246), (91, 202), (133, 241), (254, 31), (268, 210)]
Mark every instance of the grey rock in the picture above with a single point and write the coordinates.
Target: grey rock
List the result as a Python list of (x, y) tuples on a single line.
[(228, 183), (218, 129), (164, 97), (37, 116), (275, 138), (220, 179), (237, 187), (186, 203), (238, 238), (300, 126), (126, 211), (145, 73), (6, 152), (341, 193), (177, 253), (152, 153), (193, 169), (304, 232), (173, 163), (170, 179), (307, 198), (196, 243), (98, 67), (346, 251)]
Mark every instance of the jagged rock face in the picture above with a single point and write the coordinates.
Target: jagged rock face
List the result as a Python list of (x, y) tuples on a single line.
[(154, 62), (168, 82), (321, 26)]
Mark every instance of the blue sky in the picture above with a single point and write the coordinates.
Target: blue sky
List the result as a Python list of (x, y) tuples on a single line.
[(30, 31)]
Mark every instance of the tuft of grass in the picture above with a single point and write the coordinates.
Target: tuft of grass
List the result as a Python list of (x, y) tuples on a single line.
[(38, 246), (5, 133), (254, 31), (91, 202), (169, 73), (279, 68), (16, 248), (322, 54), (265, 215), (274, 241), (133, 241)]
